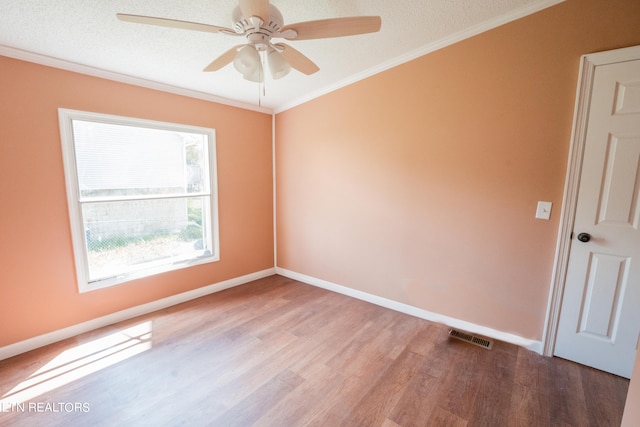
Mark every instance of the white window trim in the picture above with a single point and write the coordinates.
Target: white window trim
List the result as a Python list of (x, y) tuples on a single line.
[(66, 117)]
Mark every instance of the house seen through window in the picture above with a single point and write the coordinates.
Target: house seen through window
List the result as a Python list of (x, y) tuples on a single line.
[(142, 196)]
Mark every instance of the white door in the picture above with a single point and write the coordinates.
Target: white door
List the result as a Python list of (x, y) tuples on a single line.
[(600, 316)]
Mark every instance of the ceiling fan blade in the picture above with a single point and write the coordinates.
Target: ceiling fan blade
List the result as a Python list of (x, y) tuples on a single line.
[(223, 59), (297, 60), (336, 27), (173, 23), (259, 8)]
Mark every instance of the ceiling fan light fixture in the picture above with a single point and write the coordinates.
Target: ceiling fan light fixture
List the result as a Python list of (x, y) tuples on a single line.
[(278, 65), (247, 60), (256, 75)]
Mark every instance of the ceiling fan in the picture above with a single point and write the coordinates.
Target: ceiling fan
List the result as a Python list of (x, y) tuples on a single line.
[(259, 21)]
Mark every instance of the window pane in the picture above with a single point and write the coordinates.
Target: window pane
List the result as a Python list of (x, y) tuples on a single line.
[(126, 161), (142, 196), (126, 236)]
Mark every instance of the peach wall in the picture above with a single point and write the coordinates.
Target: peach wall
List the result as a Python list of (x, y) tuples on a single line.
[(38, 291), (631, 417), (420, 184)]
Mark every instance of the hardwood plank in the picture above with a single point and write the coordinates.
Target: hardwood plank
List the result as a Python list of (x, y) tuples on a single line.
[(354, 388), (386, 392), (603, 396), (276, 352), (280, 317), (568, 394), (493, 401), (318, 399), (251, 408), (341, 328), (388, 423), (418, 400), (529, 406), (443, 418), (463, 380), (532, 370)]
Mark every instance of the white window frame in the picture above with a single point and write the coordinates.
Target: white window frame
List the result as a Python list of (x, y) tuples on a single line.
[(66, 118)]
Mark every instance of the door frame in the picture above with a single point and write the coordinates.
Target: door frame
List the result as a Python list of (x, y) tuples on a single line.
[(588, 64)]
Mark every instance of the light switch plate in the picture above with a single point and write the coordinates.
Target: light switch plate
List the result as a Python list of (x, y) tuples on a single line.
[(544, 210)]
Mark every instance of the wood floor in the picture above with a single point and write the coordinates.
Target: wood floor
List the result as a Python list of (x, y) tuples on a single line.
[(277, 352)]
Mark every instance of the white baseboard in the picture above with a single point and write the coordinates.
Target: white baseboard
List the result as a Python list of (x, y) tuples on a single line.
[(71, 331), (414, 311)]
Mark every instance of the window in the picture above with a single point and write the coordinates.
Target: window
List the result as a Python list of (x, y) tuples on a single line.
[(142, 196)]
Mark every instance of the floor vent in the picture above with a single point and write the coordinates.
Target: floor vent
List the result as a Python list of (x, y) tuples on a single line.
[(462, 336)]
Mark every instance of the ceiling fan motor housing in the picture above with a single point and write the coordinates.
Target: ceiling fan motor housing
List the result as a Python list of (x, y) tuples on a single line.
[(259, 40), (246, 24)]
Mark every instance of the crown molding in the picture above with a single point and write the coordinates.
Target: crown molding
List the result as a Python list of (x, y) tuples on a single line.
[(426, 49), (62, 64)]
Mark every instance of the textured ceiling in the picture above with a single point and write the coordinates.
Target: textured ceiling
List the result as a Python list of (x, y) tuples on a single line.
[(86, 36)]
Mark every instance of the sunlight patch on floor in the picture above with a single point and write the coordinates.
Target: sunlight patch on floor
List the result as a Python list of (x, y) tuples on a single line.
[(80, 361)]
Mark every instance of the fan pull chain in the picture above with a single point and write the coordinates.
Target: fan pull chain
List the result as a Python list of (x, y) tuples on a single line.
[(261, 91), (262, 84)]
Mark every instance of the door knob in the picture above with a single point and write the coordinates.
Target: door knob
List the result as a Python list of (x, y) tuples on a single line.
[(584, 237)]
